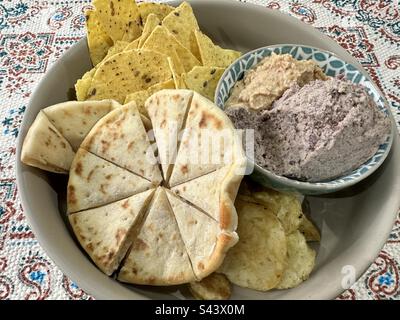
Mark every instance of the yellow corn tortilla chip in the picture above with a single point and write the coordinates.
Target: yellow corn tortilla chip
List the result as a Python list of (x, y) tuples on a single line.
[(119, 18), (213, 55), (178, 81), (160, 41), (301, 261), (118, 47), (133, 45), (128, 72), (140, 97), (82, 85), (160, 10), (151, 23), (98, 40), (203, 80), (182, 23)]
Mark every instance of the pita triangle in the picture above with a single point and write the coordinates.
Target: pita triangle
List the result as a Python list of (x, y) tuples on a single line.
[(167, 113), (200, 234), (45, 148), (158, 255), (120, 137), (94, 182), (204, 192), (105, 232)]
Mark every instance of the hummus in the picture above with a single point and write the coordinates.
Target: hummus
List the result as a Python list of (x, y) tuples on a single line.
[(269, 79), (316, 132)]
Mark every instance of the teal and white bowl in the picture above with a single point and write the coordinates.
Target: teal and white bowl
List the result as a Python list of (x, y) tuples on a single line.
[(332, 66)]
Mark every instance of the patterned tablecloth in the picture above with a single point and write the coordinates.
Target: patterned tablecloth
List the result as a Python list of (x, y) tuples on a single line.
[(35, 33)]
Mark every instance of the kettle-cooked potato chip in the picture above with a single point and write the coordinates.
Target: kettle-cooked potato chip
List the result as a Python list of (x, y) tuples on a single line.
[(309, 230), (213, 55), (119, 18), (159, 9), (300, 263), (128, 72), (214, 287), (259, 259), (82, 85), (98, 40), (203, 80)]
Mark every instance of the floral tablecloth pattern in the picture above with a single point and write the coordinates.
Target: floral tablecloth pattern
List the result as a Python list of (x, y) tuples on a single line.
[(35, 33)]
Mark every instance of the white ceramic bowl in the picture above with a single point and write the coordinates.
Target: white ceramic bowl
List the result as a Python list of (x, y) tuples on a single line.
[(354, 224), (332, 66)]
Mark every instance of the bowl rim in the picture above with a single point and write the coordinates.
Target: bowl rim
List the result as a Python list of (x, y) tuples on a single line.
[(329, 185)]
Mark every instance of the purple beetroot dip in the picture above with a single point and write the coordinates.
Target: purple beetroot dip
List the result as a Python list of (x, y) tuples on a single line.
[(317, 132)]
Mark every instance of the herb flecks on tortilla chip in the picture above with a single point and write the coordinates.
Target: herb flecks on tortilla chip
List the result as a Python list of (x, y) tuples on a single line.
[(152, 22), (159, 9), (119, 18), (128, 72), (203, 80), (213, 55), (98, 40), (182, 23)]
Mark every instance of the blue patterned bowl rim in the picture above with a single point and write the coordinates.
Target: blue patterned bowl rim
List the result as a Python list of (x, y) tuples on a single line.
[(332, 65)]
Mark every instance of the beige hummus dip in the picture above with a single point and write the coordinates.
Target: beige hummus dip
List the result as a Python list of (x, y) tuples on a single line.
[(270, 78)]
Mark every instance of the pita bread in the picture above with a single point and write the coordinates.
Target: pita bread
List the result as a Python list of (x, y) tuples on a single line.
[(205, 191), (158, 255), (209, 142), (205, 243), (214, 287), (74, 119), (44, 147), (120, 137), (167, 110), (94, 182), (105, 232)]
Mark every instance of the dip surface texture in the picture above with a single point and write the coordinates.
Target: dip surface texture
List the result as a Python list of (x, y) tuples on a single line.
[(316, 132), (269, 79)]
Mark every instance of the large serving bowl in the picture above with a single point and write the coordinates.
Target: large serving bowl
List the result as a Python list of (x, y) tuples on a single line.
[(332, 66), (354, 224)]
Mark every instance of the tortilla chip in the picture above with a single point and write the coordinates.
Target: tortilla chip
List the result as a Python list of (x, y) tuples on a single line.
[(178, 81), (128, 72), (140, 97), (151, 23), (160, 41), (98, 40), (182, 23), (300, 263), (203, 80), (214, 287), (159, 9), (118, 47), (259, 259), (133, 45), (120, 19), (213, 55), (82, 85), (309, 230)]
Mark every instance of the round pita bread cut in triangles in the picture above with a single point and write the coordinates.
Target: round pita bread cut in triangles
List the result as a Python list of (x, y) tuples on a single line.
[(158, 255), (74, 119), (167, 110), (94, 182), (120, 137), (209, 142), (205, 243), (106, 232), (45, 148)]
